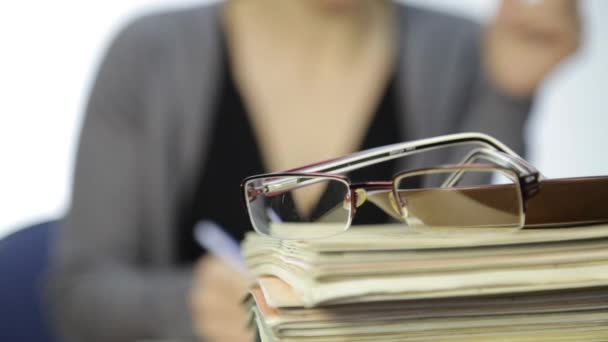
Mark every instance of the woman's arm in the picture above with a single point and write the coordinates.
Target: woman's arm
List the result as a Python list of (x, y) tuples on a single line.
[(514, 54)]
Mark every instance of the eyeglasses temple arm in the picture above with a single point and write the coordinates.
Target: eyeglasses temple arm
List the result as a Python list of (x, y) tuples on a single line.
[(390, 152)]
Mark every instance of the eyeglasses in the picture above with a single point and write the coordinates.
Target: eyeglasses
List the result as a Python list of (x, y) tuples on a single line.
[(468, 194)]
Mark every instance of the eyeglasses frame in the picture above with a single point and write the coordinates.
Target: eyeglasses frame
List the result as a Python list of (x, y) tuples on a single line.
[(356, 190), (526, 175)]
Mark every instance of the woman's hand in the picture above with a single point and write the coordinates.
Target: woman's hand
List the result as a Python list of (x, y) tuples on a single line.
[(218, 313), (527, 40)]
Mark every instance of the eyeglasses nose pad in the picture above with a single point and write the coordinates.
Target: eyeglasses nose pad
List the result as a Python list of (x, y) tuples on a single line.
[(360, 198), (402, 210)]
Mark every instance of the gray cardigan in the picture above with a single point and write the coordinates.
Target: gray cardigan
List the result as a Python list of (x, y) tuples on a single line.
[(114, 276)]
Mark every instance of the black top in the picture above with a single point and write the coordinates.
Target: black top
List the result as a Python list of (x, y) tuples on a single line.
[(234, 154)]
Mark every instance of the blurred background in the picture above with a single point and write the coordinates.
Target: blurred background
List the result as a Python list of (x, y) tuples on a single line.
[(50, 50)]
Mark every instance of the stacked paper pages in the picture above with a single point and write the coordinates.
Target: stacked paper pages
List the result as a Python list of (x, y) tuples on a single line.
[(388, 283)]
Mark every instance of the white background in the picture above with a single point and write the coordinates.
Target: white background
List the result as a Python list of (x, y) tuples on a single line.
[(49, 51)]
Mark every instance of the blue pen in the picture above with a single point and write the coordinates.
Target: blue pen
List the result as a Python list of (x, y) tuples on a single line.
[(215, 240)]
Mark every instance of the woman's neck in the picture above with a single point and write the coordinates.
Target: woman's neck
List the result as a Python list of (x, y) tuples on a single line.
[(323, 28)]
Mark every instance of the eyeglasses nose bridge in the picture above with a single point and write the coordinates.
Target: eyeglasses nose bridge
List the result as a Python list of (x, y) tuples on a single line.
[(397, 207)]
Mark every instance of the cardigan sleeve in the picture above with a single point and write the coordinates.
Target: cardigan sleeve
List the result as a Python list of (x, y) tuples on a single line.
[(98, 290)]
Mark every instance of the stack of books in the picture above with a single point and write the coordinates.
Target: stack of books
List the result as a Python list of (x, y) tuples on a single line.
[(388, 283)]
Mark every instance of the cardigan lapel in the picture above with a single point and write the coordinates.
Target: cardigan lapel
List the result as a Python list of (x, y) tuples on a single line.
[(200, 87)]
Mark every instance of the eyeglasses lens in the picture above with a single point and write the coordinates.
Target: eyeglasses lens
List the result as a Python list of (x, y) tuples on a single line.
[(298, 207), (461, 198)]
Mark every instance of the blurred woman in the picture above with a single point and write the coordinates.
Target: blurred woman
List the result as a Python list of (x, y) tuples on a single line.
[(188, 103)]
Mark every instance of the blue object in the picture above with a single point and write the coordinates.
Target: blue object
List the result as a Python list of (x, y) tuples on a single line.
[(211, 236), (24, 260)]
